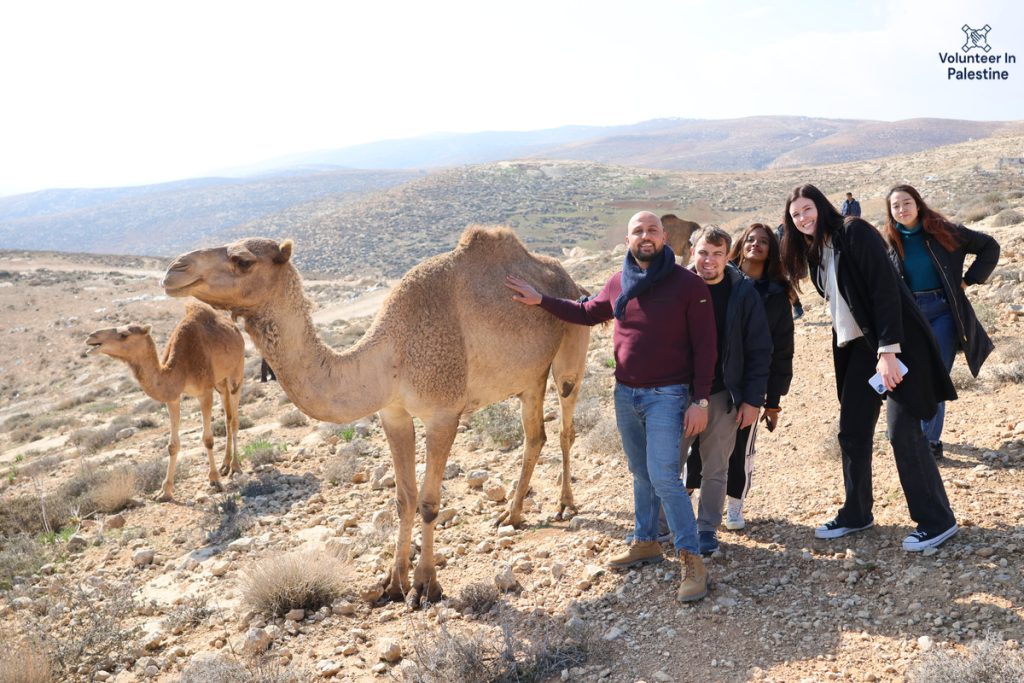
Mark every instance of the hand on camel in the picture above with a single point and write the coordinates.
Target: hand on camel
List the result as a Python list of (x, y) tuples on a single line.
[(526, 294)]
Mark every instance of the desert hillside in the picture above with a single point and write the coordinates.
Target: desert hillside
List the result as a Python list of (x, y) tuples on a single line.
[(274, 579)]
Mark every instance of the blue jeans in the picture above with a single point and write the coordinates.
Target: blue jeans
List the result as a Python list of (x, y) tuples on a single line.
[(935, 309), (650, 421)]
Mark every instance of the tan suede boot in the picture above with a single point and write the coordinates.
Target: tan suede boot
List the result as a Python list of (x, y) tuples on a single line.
[(694, 580), (640, 553)]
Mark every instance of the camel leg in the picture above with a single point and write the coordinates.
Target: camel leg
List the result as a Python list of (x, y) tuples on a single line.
[(398, 429), (532, 402), (566, 439), (440, 433), (567, 370), (206, 407), (229, 400), (236, 400), (167, 490)]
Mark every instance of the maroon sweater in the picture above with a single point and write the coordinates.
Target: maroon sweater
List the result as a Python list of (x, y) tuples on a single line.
[(667, 335)]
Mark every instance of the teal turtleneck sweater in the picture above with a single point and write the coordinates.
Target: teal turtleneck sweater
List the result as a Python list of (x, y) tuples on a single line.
[(918, 267)]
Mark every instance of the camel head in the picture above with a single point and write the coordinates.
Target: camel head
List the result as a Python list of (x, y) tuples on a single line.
[(238, 277), (125, 342)]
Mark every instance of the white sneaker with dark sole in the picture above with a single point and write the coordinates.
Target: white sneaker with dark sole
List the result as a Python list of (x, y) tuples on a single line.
[(734, 515), (920, 540), (833, 529)]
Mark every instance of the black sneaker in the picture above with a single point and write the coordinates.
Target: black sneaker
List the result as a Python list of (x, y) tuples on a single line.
[(921, 540), (798, 312), (936, 449), (834, 529)]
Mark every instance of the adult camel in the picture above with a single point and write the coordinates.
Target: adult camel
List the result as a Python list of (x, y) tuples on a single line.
[(447, 341)]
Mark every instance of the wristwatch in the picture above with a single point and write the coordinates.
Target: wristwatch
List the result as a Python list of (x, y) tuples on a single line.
[(703, 403)]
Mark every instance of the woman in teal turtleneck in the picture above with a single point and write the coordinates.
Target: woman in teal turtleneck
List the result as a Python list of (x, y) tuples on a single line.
[(929, 251)]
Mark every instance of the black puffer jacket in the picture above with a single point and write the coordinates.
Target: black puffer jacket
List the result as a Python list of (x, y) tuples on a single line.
[(971, 336), (775, 296)]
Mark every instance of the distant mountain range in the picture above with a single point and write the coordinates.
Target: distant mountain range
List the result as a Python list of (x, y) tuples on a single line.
[(420, 189)]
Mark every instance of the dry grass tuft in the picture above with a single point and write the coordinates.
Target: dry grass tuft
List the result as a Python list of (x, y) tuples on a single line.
[(986, 661), (20, 556), (603, 437), (293, 418), (309, 581), (475, 658), (478, 597), (217, 668), (24, 664), (114, 491), (501, 423)]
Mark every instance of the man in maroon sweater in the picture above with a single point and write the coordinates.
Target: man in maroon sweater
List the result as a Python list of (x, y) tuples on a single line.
[(665, 350)]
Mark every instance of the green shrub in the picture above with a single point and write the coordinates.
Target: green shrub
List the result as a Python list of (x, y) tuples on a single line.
[(20, 555), (263, 452)]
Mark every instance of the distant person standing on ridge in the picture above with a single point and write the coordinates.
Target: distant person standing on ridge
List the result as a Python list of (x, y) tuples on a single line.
[(874, 320), (929, 252), (664, 343), (850, 207)]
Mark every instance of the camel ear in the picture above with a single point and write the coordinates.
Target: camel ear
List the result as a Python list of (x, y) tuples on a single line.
[(284, 253), (146, 328)]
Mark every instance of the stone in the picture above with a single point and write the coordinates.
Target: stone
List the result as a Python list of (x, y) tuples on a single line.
[(925, 643), (220, 568), (256, 641), (476, 478), (77, 543), (343, 607), (114, 521), (242, 545), (614, 633), (390, 650), (495, 492), (505, 580), (557, 570), (327, 668), (297, 614), (143, 557)]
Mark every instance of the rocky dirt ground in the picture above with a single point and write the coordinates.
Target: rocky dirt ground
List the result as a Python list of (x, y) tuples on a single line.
[(157, 591)]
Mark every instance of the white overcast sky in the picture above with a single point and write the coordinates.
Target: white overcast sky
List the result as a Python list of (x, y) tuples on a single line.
[(121, 93)]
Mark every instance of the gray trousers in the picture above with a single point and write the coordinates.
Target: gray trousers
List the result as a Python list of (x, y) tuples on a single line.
[(716, 444)]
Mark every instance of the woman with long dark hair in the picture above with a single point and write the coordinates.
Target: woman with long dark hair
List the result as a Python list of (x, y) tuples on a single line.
[(877, 329), (757, 254), (929, 251)]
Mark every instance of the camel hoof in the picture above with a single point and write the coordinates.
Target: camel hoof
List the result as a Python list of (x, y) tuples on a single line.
[(563, 509), (507, 518), (163, 497), (217, 486), (392, 592), (419, 598), (224, 470)]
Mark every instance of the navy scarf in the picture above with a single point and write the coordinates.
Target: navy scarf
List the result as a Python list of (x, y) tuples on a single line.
[(637, 280)]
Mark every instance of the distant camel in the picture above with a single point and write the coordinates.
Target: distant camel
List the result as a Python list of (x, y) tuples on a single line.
[(205, 352), (679, 233), (447, 341)]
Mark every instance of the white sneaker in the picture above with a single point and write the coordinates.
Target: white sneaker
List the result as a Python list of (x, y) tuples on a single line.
[(734, 514)]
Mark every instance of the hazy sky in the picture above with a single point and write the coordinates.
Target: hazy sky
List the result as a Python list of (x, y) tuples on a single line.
[(123, 93)]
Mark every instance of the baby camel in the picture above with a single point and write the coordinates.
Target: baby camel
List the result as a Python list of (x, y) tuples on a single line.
[(205, 352)]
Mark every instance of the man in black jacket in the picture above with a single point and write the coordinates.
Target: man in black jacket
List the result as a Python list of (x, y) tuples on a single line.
[(741, 374)]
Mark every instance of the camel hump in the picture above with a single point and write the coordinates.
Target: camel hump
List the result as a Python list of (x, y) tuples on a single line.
[(490, 240)]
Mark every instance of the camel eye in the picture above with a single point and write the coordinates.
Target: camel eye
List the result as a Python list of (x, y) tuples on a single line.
[(242, 263)]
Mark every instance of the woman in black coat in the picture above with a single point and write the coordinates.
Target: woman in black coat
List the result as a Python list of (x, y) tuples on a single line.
[(929, 251), (876, 328)]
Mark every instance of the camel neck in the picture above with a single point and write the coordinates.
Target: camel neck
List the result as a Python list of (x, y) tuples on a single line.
[(160, 382), (324, 384)]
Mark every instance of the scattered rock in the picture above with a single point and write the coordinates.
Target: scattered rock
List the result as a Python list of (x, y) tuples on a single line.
[(389, 650), (143, 557)]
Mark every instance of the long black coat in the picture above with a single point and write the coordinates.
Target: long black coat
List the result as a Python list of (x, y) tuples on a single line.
[(884, 308), (971, 336)]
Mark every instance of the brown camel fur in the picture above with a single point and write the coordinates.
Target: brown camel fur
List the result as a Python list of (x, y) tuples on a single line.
[(205, 352), (678, 233), (447, 341)]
